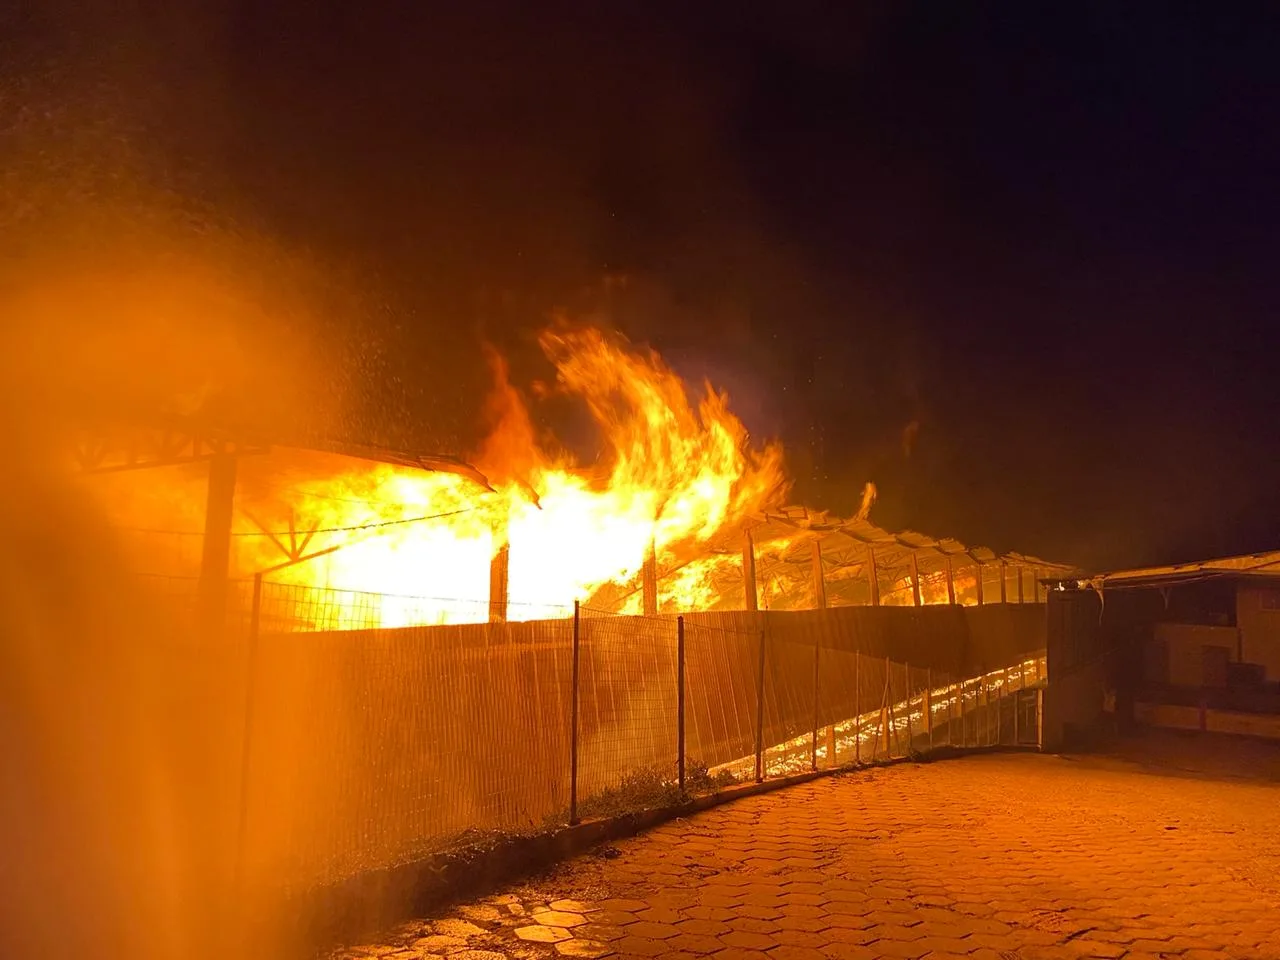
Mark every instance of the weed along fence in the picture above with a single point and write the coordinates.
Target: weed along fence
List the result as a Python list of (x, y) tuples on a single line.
[(362, 749)]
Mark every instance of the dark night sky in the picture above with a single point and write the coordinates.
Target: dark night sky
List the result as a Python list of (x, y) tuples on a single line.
[(1045, 233)]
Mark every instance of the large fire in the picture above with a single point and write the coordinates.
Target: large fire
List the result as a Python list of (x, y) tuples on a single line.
[(672, 471)]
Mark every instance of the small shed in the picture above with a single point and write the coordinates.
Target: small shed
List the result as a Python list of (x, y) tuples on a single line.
[(1185, 645)]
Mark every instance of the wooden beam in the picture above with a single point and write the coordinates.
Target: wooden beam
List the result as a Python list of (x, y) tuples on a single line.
[(1022, 576), (1004, 580), (951, 583), (915, 581), (650, 579), (499, 581), (215, 557), (749, 570), (819, 581), (978, 578)]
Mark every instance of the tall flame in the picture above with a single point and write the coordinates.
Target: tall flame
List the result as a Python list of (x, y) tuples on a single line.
[(672, 471)]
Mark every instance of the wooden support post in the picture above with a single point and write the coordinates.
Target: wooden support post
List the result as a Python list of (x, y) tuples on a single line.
[(915, 580), (831, 747), (749, 570), (977, 568), (215, 559), (649, 575), (951, 584), (1022, 576), (1004, 580), (499, 578), (819, 581), (873, 578)]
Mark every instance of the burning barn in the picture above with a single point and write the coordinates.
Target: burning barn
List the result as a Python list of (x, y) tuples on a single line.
[(681, 512), (443, 644)]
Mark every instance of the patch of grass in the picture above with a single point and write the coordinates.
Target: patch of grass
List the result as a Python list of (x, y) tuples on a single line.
[(650, 788), (698, 779), (644, 789)]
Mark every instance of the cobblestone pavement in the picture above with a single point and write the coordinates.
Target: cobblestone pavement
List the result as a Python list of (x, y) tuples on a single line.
[(998, 857)]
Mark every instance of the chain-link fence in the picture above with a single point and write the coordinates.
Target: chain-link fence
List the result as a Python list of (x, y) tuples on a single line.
[(360, 746)]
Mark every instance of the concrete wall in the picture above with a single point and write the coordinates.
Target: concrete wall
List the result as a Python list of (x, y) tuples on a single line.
[(1260, 626), (1213, 721), (962, 641), (1181, 647)]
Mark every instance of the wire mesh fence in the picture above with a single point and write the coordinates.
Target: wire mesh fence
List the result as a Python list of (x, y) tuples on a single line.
[(361, 745)]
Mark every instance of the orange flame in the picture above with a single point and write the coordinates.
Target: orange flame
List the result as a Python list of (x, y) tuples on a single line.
[(674, 472)]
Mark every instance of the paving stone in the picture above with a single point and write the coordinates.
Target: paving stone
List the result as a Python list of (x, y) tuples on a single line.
[(985, 858), (640, 947), (452, 927), (652, 931), (439, 943), (748, 940), (541, 934), (703, 927), (583, 948), (617, 918), (695, 943), (559, 918)]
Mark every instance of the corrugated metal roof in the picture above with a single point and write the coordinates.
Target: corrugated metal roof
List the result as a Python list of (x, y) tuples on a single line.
[(1247, 565)]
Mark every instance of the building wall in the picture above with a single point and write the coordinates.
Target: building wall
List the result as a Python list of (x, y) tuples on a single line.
[(1258, 616), (1178, 650)]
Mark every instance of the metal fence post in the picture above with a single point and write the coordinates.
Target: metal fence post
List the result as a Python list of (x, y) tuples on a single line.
[(983, 736), (952, 696), (573, 723), (1004, 681), (886, 707), (857, 708), (1039, 718), (680, 700), (760, 713), (813, 746), (246, 736), (928, 703), (906, 669)]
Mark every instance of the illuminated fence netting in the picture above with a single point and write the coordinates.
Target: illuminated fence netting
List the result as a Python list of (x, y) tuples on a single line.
[(627, 706), (364, 746)]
